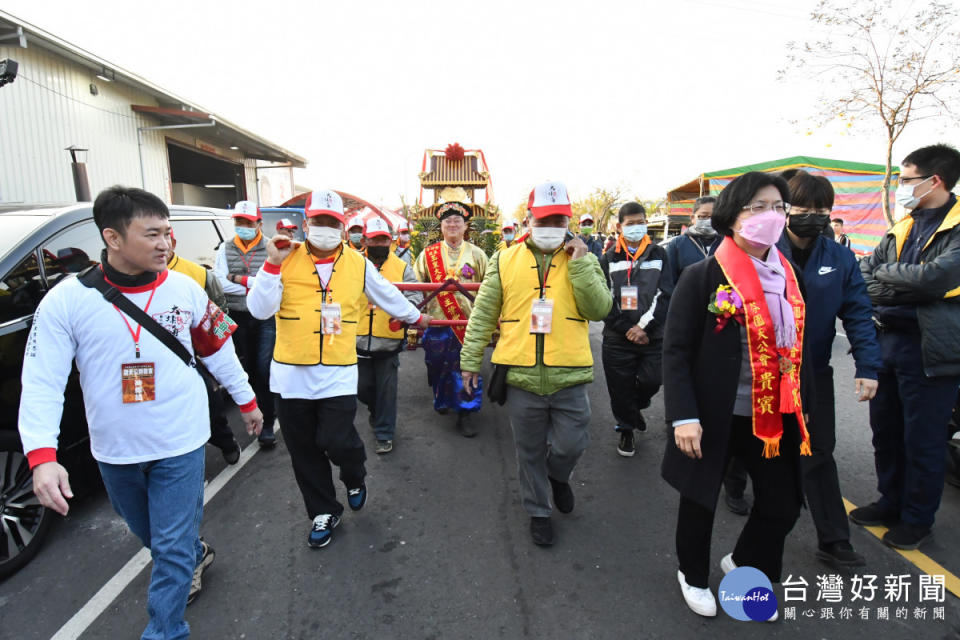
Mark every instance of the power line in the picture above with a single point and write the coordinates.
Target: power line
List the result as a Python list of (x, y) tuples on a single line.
[(72, 99)]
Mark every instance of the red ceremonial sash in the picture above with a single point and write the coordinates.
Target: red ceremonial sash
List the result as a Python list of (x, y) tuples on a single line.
[(448, 302), (776, 371)]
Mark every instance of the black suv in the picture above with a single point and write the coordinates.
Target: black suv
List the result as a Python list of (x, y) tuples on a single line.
[(39, 246)]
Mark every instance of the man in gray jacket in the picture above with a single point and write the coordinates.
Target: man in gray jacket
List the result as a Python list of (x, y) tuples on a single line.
[(378, 342), (913, 278)]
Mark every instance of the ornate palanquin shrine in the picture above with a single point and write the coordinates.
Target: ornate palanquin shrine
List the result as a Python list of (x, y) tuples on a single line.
[(455, 174)]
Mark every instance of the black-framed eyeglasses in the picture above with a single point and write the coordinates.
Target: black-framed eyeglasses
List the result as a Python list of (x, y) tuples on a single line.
[(759, 207), (902, 180)]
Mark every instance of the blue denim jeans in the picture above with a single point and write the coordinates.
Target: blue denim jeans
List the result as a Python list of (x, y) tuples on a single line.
[(162, 502)]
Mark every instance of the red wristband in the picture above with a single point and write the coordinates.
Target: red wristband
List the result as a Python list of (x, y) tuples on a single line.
[(269, 267), (40, 456), (250, 406)]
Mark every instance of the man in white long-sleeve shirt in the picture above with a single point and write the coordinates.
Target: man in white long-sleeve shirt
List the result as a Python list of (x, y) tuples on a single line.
[(316, 291), (146, 408)]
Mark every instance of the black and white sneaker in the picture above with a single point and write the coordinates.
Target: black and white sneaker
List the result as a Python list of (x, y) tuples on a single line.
[(206, 560), (625, 448)]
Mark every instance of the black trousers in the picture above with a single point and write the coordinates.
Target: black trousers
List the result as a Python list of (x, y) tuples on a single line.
[(254, 340), (318, 432), (776, 507), (821, 483), (634, 375), (221, 435)]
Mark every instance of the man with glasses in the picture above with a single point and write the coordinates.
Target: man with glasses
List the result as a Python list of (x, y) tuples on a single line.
[(451, 258), (913, 278)]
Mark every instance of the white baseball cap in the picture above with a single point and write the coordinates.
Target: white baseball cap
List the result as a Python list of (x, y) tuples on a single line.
[(324, 203), (509, 224), (550, 199), (355, 221), (285, 223), (376, 227), (585, 218)]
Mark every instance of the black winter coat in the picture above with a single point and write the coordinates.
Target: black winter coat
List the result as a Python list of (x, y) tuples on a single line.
[(701, 370), (890, 282), (654, 282)]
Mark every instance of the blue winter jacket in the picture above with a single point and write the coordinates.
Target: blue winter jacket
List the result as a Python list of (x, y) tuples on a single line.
[(684, 250), (835, 289)]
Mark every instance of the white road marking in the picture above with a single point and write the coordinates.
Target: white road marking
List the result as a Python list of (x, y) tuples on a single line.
[(103, 598)]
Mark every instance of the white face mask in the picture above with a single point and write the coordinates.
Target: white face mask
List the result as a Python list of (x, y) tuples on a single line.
[(324, 238), (634, 232), (704, 226), (904, 195), (547, 238)]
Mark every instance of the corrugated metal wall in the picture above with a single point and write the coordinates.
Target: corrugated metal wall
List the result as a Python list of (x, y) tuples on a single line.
[(50, 107)]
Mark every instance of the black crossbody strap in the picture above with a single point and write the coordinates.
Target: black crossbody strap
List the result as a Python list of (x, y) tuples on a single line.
[(93, 278)]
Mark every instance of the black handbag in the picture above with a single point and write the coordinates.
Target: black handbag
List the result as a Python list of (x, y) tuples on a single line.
[(497, 388), (93, 278)]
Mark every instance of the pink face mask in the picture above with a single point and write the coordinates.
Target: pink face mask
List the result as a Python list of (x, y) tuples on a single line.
[(762, 229)]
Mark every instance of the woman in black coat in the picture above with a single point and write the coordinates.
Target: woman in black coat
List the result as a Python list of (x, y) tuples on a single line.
[(732, 364)]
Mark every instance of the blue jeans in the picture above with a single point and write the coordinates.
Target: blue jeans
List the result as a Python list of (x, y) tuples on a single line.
[(162, 502)]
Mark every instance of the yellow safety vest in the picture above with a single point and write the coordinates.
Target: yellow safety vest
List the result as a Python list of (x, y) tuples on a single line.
[(191, 269), (299, 337), (568, 343), (376, 318)]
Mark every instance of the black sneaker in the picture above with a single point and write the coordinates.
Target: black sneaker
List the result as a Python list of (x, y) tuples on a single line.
[(562, 495), (874, 515), (840, 554), (206, 560), (736, 504), (641, 422), (907, 536), (464, 425), (541, 530), (625, 448), (267, 439), (231, 452)]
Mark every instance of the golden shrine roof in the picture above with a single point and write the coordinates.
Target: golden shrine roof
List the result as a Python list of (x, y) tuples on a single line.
[(444, 172)]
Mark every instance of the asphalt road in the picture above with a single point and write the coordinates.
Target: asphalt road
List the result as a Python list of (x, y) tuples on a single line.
[(442, 548)]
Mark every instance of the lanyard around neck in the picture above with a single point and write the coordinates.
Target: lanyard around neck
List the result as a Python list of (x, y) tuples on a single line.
[(136, 334)]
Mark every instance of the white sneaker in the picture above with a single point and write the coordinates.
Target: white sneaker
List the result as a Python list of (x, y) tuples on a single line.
[(700, 601), (727, 563)]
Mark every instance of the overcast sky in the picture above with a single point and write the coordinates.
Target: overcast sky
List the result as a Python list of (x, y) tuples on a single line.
[(641, 94)]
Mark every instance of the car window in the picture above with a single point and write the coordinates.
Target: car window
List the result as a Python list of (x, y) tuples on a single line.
[(71, 251), (21, 290), (197, 240)]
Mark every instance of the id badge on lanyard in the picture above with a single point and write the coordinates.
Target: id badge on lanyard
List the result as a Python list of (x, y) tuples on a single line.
[(138, 382), (541, 316), (330, 319), (628, 298)]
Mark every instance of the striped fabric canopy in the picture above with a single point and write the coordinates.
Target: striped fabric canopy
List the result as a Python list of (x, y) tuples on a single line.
[(858, 188)]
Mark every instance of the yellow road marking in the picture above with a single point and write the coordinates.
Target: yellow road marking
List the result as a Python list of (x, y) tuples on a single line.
[(919, 559)]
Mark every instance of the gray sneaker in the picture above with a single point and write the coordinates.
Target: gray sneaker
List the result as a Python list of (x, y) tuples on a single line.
[(208, 555), (384, 446)]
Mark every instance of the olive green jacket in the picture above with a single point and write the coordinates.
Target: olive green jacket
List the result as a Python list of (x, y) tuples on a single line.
[(593, 300)]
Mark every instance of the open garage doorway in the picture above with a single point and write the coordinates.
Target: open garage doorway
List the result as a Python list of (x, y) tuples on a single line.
[(201, 179)]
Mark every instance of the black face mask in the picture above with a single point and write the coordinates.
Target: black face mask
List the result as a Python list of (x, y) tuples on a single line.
[(378, 254), (808, 225)]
